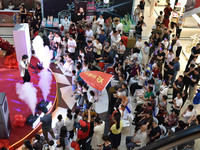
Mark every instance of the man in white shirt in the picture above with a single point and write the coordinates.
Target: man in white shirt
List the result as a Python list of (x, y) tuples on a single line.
[(139, 137), (189, 114), (100, 20), (88, 33), (71, 43), (178, 102), (179, 46), (115, 38), (57, 38), (119, 26), (23, 67)]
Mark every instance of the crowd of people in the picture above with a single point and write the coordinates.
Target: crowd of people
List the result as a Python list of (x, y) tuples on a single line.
[(143, 75)]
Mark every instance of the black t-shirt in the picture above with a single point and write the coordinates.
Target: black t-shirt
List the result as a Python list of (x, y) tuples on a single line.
[(142, 5), (186, 79), (165, 36), (157, 41), (179, 85), (154, 131), (161, 53), (194, 51), (195, 77)]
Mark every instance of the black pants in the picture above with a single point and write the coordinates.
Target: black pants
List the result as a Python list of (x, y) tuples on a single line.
[(178, 32), (71, 134), (189, 61), (27, 76), (121, 57), (133, 87), (178, 51), (175, 92)]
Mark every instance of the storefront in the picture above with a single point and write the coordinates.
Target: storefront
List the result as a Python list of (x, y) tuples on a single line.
[(10, 12)]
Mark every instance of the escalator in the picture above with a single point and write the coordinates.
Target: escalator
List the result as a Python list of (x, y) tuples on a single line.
[(188, 139)]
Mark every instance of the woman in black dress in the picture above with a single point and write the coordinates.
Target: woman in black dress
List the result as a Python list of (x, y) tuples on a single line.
[(23, 13)]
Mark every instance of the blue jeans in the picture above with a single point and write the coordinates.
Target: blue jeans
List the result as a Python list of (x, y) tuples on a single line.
[(130, 144), (74, 87)]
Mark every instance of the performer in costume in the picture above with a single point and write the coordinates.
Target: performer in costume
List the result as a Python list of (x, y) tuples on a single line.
[(23, 66)]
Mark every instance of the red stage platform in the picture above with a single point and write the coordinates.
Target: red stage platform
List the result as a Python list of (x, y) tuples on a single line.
[(8, 80)]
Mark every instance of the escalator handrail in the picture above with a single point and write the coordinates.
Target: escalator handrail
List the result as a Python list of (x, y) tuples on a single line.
[(172, 138)]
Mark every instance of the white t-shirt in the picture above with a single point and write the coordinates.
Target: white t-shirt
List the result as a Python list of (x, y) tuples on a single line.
[(142, 137), (69, 124), (51, 37), (73, 79), (70, 44), (98, 48), (188, 115), (178, 43), (179, 102), (57, 39), (100, 21), (89, 35), (66, 24), (84, 69), (139, 45), (163, 91), (121, 47), (141, 82), (115, 39), (120, 27), (58, 126)]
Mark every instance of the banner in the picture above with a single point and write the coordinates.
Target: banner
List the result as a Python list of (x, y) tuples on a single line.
[(96, 79), (191, 7), (90, 10)]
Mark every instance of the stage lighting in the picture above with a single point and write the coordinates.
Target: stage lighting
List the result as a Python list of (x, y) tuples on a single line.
[(106, 1)]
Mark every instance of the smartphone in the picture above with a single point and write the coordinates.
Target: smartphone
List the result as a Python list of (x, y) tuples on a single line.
[(191, 76)]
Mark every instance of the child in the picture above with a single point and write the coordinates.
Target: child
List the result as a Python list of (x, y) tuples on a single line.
[(70, 124), (77, 118), (78, 72), (84, 95), (59, 124), (85, 66), (74, 80), (80, 59), (81, 52), (68, 66), (50, 36), (51, 145), (92, 99), (78, 92)]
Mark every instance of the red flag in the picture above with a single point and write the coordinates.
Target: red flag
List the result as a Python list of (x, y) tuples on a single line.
[(96, 79)]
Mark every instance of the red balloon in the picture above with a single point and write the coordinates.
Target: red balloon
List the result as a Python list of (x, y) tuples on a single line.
[(21, 125), (15, 124)]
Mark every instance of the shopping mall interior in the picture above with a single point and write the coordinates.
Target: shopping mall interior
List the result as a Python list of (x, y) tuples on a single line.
[(61, 87)]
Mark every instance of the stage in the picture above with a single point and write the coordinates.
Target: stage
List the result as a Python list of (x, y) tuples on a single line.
[(8, 80)]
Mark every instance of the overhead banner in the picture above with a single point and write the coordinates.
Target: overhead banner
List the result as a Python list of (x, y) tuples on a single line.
[(90, 11), (96, 79), (191, 7)]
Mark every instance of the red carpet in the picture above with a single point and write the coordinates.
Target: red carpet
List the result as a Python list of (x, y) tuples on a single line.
[(8, 80)]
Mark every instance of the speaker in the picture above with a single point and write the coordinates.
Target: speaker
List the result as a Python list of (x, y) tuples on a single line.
[(5, 124)]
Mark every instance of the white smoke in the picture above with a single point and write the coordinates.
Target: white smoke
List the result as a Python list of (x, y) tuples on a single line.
[(45, 82), (44, 55), (27, 93), (42, 52)]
